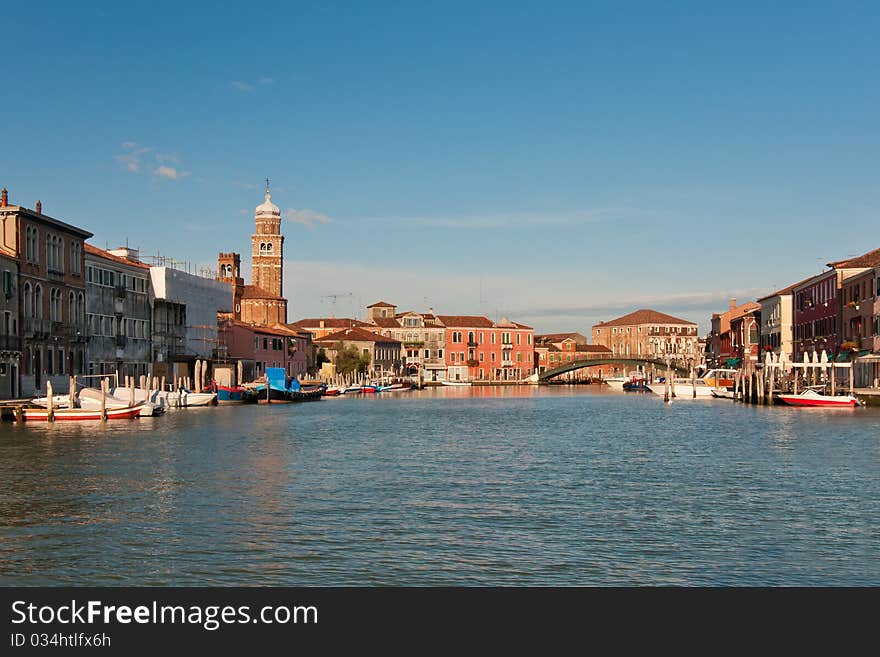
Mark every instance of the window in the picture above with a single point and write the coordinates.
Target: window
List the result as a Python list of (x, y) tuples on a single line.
[(28, 304), (55, 304), (38, 302), (75, 257)]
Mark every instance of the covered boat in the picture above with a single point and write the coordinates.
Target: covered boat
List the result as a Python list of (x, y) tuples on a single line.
[(284, 389)]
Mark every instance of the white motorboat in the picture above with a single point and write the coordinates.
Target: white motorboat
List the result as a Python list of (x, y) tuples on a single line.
[(90, 399), (811, 397), (701, 388), (616, 382), (181, 398), (456, 383)]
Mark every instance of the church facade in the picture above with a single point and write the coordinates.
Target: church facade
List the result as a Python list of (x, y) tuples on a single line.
[(263, 303)]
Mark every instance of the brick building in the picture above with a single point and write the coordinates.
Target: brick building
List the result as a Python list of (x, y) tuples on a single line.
[(649, 334), (51, 292)]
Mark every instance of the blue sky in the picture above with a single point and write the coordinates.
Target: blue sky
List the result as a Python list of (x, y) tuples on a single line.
[(560, 163)]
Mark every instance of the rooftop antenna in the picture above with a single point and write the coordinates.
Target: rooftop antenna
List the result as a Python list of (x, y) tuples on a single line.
[(335, 297)]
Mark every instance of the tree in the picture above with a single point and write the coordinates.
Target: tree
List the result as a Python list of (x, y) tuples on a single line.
[(321, 358), (349, 359)]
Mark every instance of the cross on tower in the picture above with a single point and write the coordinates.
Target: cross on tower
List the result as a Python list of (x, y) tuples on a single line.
[(267, 185)]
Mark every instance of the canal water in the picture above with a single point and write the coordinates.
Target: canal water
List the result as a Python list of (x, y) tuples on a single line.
[(482, 486)]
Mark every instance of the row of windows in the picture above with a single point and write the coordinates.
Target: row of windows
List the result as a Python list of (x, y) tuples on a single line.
[(54, 250), (33, 304), (52, 361), (653, 329), (110, 326), (855, 293), (458, 338), (110, 278), (816, 328), (818, 294), (505, 356)]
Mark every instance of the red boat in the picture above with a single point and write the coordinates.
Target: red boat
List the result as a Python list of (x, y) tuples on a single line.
[(813, 398), (38, 414)]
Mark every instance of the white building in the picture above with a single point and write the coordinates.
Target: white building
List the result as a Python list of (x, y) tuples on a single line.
[(185, 308)]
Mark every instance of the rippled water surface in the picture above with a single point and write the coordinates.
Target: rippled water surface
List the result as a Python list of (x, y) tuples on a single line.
[(524, 485)]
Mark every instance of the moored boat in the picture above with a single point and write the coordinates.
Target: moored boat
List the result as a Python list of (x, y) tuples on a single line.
[(181, 398), (40, 414), (234, 395), (456, 383), (815, 398)]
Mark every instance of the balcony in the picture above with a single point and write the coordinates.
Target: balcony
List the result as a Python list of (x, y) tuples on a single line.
[(10, 343), (472, 343), (120, 292), (120, 341), (54, 274), (35, 327), (77, 332), (506, 363)]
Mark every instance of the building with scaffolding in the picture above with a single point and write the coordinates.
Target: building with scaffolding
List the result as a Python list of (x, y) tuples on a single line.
[(185, 308)]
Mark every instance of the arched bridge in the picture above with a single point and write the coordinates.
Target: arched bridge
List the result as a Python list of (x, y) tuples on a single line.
[(660, 365)]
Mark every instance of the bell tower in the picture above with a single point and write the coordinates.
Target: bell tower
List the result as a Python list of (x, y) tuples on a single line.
[(267, 247), (229, 271)]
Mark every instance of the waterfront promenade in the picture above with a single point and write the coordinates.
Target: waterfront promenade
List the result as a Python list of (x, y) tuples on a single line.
[(552, 485)]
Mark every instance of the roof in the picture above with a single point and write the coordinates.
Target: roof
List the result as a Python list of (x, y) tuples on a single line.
[(382, 304), (466, 321), (254, 292), (276, 329), (645, 316), (356, 334), (744, 309), (386, 322), (101, 253), (559, 337), (785, 290), (50, 220), (329, 323), (869, 259), (594, 348)]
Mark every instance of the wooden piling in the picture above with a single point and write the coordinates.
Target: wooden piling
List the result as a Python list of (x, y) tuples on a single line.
[(852, 377), (71, 391), (833, 378), (131, 392), (50, 416)]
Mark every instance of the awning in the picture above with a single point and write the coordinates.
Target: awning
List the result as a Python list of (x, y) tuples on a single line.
[(732, 361)]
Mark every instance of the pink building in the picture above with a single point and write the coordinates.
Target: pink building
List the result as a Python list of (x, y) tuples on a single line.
[(479, 349), (259, 347)]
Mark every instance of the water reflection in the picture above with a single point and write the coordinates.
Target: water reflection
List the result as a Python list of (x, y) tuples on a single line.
[(488, 485)]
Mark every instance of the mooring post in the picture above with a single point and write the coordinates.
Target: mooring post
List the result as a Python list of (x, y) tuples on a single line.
[(50, 416)]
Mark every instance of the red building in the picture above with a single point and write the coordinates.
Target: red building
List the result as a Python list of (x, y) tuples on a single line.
[(478, 349), (816, 324)]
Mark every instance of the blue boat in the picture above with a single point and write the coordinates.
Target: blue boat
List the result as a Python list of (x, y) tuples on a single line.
[(285, 389), (234, 395)]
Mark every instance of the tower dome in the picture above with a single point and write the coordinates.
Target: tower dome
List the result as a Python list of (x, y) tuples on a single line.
[(267, 208)]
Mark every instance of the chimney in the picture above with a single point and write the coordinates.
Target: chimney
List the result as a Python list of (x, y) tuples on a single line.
[(4, 198), (321, 324), (39, 207), (732, 304)]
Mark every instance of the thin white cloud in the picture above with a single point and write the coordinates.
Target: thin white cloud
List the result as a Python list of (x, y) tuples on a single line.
[(524, 219), (246, 87), (306, 217), (132, 156), (169, 173)]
